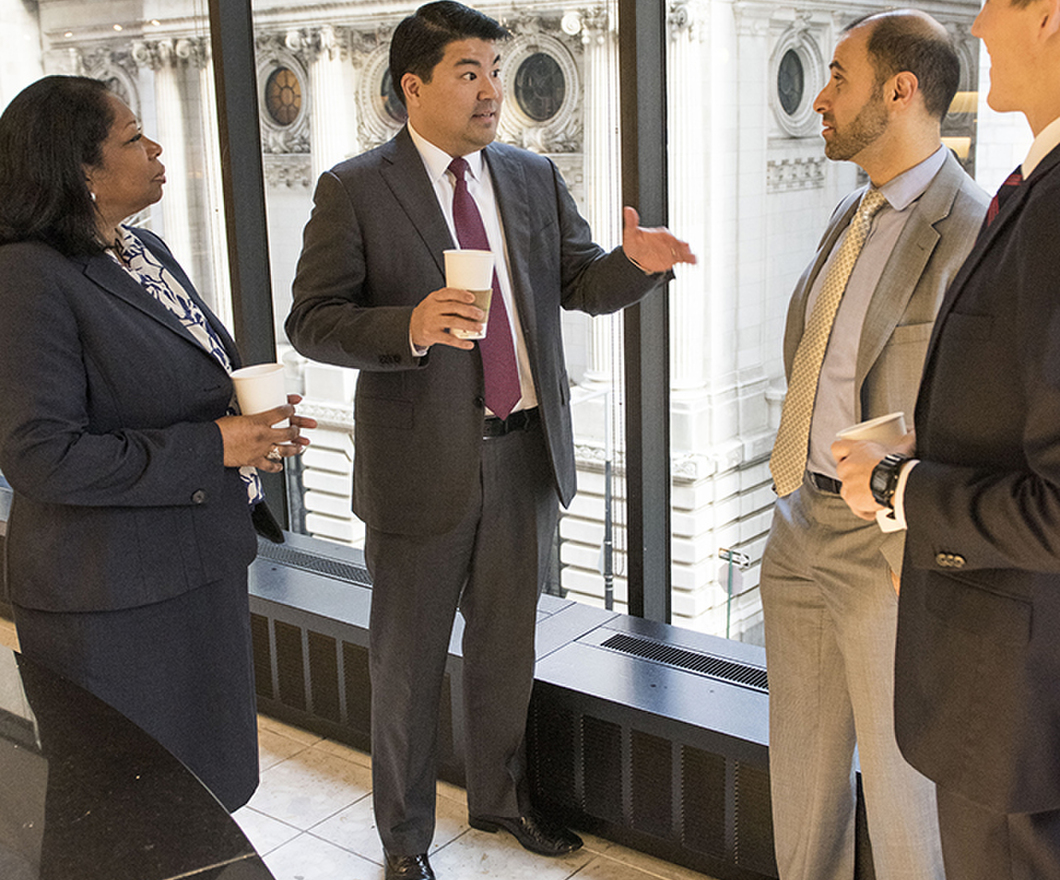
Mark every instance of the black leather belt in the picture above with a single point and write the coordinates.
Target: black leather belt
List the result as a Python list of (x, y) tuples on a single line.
[(520, 420), (825, 484)]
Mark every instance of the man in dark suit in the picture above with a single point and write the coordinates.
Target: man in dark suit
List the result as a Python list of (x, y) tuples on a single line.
[(977, 690), (827, 592), (456, 473)]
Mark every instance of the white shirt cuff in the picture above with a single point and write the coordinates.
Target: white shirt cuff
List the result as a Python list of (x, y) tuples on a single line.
[(416, 350)]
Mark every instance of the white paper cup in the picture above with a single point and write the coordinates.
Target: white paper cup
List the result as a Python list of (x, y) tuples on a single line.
[(260, 388), (471, 270), (886, 430)]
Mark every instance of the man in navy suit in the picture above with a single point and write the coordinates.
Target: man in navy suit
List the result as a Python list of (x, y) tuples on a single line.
[(459, 492), (977, 680)]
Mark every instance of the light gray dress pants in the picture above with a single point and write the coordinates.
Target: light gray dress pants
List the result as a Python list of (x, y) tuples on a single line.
[(830, 621)]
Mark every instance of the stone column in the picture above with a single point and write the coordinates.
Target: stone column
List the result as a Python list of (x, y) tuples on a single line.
[(216, 231), (602, 166), (331, 130), (164, 58), (702, 203)]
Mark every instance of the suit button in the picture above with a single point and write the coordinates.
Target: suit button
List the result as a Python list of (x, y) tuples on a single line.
[(949, 560), (198, 497), (480, 402)]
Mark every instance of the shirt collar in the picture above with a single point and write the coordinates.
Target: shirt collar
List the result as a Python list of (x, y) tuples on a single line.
[(437, 160), (907, 187), (1048, 138)]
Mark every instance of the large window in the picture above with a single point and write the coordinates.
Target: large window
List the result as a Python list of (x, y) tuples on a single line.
[(749, 188), (161, 68), (560, 71)]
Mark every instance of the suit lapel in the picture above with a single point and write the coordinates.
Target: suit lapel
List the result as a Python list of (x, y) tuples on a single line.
[(1007, 216), (106, 274), (509, 189), (404, 173), (905, 266), (982, 246), (158, 247)]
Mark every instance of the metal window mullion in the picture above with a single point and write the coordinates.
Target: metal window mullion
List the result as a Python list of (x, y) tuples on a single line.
[(243, 183), (642, 82)]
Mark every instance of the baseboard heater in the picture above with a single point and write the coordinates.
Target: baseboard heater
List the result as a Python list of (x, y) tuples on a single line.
[(646, 734), (649, 735)]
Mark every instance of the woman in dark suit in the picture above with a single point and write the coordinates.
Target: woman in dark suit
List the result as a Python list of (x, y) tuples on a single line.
[(134, 479)]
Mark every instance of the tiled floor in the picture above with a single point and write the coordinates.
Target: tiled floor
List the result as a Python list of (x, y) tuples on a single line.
[(311, 819)]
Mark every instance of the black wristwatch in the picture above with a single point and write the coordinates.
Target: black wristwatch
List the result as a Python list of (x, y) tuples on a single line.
[(884, 479)]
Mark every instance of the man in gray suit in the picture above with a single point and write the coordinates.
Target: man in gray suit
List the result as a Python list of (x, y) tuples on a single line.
[(828, 577), (456, 477)]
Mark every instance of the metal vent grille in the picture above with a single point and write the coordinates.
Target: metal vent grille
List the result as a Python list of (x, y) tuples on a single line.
[(682, 658), (343, 571)]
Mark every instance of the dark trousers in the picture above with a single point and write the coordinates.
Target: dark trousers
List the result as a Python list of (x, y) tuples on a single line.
[(491, 567), (980, 844)]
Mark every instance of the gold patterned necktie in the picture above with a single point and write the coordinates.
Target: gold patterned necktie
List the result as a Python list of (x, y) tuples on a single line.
[(788, 461)]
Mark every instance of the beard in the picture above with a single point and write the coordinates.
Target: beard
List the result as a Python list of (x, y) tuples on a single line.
[(866, 127)]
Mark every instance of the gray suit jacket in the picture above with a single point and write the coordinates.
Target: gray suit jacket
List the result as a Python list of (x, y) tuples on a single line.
[(894, 337), (372, 251)]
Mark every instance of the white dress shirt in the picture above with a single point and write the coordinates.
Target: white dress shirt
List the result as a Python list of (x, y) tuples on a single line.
[(480, 186)]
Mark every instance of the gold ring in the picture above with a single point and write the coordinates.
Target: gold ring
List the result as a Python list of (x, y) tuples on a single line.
[(274, 454)]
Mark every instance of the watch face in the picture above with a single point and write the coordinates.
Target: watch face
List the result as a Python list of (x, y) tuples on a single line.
[(884, 479)]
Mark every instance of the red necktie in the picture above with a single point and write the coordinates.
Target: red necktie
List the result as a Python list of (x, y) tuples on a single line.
[(1001, 196), (499, 369)]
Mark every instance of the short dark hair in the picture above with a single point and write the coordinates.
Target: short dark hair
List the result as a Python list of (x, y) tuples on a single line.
[(48, 134), (906, 39), (419, 41)]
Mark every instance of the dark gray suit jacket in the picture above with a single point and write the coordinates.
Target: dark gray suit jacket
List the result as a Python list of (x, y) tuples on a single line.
[(372, 251), (107, 436), (977, 686)]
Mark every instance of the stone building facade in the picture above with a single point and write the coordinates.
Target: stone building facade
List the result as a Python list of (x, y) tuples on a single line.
[(749, 188)]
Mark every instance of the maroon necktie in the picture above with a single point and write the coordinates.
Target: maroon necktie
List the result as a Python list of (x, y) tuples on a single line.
[(1002, 195), (499, 369)]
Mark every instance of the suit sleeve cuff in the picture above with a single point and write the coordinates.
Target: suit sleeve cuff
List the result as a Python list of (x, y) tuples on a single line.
[(899, 492)]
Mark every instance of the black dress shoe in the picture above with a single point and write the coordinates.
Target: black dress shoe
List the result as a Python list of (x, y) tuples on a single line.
[(408, 867), (533, 831)]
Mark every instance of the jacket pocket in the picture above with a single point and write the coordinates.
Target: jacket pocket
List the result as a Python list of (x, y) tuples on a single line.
[(905, 333), (384, 412), (963, 603)]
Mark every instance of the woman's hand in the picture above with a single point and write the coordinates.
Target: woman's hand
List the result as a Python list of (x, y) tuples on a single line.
[(251, 440)]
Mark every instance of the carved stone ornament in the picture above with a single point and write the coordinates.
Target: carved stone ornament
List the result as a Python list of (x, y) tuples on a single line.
[(288, 170), (797, 72), (378, 119), (118, 69), (288, 131), (543, 87), (790, 175)]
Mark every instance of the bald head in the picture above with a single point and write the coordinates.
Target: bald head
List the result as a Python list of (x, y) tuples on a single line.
[(910, 40)]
